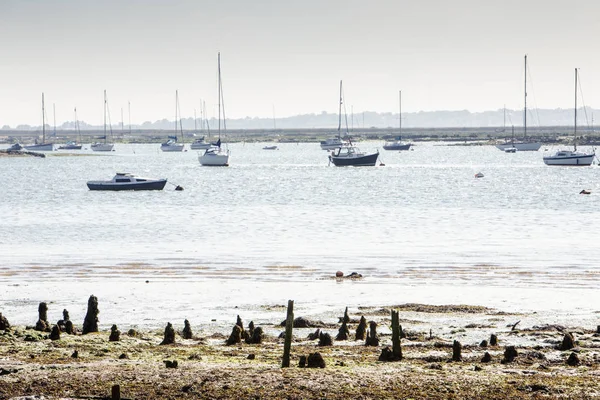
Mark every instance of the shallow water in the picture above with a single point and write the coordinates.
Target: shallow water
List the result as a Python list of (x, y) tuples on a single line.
[(278, 224)]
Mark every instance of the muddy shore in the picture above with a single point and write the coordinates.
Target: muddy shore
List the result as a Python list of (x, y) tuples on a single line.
[(88, 366)]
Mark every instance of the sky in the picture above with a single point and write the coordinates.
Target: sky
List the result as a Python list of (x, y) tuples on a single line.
[(283, 58)]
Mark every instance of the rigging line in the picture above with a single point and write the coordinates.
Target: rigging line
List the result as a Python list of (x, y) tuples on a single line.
[(345, 113), (109, 121), (537, 113), (180, 123), (587, 121)]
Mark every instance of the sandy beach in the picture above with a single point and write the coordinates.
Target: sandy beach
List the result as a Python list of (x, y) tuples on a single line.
[(543, 365)]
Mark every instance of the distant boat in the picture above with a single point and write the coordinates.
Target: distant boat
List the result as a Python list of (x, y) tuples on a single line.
[(479, 175), (333, 143), (350, 155), (398, 144), (73, 145), (171, 144), (525, 144), (104, 146), (270, 148), (512, 148), (574, 157), (200, 144), (127, 181), (41, 146), (216, 156)]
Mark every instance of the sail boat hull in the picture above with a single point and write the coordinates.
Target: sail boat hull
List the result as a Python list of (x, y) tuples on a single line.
[(214, 158), (40, 147), (102, 146), (570, 158), (397, 146), (532, 146), (172, 147)]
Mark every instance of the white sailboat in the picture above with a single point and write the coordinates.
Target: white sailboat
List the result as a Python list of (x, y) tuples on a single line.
[(171, 144), (525, 144), (571, 157), (104, 146), (398, 144), (42, 146), (216, 156), (200, 143), (73, 145)]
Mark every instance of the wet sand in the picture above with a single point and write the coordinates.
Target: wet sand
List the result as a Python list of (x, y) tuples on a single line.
[(31, 364)]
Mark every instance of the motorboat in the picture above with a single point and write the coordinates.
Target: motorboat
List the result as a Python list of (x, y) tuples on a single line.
[(127, 181), (352, 156), (270, 148), (572, 157), (171, 145), (334, 143), (214, 157), (200, 144), (70, 146), (510, 150)]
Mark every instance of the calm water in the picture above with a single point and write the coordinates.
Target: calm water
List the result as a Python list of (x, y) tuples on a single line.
[(284, 221)]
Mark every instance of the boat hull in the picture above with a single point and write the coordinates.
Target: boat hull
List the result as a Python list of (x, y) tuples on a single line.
[(329, 146), (571, 161), (368, 160), (397, 146), (70, 147), (102, 147), (214, 160), (533, 146), (40, 147), (112, 186), (200, 146), (172, 148)]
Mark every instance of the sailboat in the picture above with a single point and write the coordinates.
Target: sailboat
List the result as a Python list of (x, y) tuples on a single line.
[(171, 144), (568, 157), (73, 145), (350, 155), (42, 146), (216, 156), (104, 146), (398, 144), (523, 145), (512, 148), (200, 143)]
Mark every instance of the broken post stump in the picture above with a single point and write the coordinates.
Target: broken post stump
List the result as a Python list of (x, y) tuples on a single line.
[(42, 322), (315, 360), (169, 337), (235, 337), (115, 334), (396, 335), (115, 392), (510, 353), (372, 338), (493, 340), (55, 334), (361, 329), (456, 351), (289, 324), (343, 332), (486, 358), (4, 325), (325, 339), (187, 330), (568, 342), (90, 323)]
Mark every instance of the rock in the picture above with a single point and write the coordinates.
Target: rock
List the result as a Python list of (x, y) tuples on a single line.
[(567, 342), (486, 358), (302, 362), (315, 360), (115, 334), (361, 329), (42, 324), (251, 357), (493, 340), (187, 330), (301, 322), (325, 339), (4, 325), (235, 337), (75, 354), (510, 353), (315, 335), (484, 343), (573, 360), (354, 275), (169, 337), (171, 364), (55, 334), (372, 338), (343, 333), (477, 368), (90, 323), (456, 351), (339, 274), (132, 333), (123, 356)]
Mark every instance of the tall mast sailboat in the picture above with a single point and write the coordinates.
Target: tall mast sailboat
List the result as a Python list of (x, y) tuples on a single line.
[(525, 144), (105, 145), (42, 146), (217, 156), (171, 144), (398, 144), (73, 144), (572, 157)]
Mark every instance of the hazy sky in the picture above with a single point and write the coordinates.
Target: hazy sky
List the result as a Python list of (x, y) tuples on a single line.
[(290, 55)]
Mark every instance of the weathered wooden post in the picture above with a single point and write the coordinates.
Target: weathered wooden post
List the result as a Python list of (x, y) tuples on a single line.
[(289, 325), (396, 349), (116, 392)]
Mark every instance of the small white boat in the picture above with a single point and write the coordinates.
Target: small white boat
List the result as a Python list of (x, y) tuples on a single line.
[(200, 144), (70, 146), (214, 157), (171, 145), (99, 146), (127, 181), (510, 150)]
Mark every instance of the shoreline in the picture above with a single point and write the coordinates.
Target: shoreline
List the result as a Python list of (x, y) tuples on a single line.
[(207, 368)]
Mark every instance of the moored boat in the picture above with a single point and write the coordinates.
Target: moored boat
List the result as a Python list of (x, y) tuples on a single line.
[(41, 146), (127, 181), (397, 143), (352, 156)]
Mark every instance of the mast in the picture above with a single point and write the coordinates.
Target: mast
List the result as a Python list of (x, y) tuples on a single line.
[(274, 120), (219, 70), (525, 108), (504, 123), (77, 125), (340, 114), (43, 121), (195, 118), (105, 116), (575, 122), (175, 113), (129, 113), (122, 126), (54, 116), (400, 112)]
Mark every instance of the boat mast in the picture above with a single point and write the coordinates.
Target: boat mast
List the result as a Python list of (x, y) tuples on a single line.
[(104, 116), (129, 116), (340, 114), (525, 108), (77, 125), (219, 70), (504, 123), (54, 116), (195, 118), (400, 112), (43, 121), (575, 122)]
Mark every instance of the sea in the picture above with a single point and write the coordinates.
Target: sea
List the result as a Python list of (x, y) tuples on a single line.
[(276, 225)]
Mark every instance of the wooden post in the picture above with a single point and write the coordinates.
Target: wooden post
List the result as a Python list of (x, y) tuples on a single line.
[(116, 392), (396, 349), (289, 325)]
